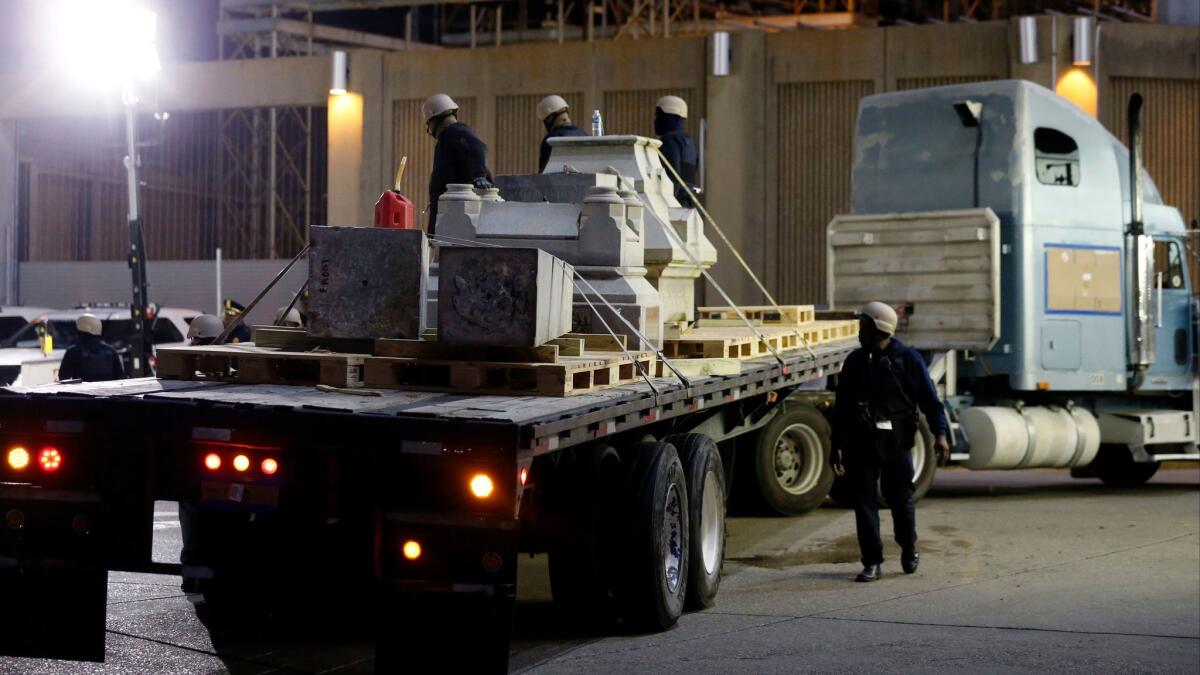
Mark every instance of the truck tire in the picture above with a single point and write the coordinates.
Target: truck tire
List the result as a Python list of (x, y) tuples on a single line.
[(582, 559), (791, 460), (654, 563), (924, 459), (1115, 466), (706, 516)]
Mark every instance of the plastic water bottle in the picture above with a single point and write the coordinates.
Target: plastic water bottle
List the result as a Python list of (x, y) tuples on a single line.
[(597, 124)]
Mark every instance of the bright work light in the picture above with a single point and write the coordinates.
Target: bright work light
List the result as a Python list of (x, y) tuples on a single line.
[(107, 41)]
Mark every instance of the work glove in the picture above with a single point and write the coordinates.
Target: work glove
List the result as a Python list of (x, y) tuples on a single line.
[(941, 448), (482, 184)]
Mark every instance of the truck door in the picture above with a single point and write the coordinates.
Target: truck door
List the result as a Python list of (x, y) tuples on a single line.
[(1173, 320)]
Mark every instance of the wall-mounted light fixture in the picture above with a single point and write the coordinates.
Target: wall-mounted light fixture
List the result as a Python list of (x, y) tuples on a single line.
[(340, 75), (1027, 31), (720, 47), (1083, 41)]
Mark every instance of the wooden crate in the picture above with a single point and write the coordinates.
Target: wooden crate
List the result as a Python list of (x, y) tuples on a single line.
[(784, 315), (569, 376), (255, 365)]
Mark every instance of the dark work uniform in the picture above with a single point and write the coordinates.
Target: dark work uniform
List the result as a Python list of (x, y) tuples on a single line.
[(91, 360), (680, 151), (876, 391), (458, 157), (561, 130)]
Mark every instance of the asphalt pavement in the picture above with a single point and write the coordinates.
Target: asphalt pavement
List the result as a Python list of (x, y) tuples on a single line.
[(1029, 571)]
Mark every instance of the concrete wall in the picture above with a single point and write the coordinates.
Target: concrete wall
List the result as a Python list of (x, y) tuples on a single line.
[(189, 284), (779, 127)]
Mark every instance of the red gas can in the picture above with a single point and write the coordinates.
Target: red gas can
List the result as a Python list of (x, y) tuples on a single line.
[(394, 210)]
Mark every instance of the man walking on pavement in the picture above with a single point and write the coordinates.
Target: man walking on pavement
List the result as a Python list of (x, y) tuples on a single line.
[(677, 145), (552, 111), (881, 388), (458, 157)]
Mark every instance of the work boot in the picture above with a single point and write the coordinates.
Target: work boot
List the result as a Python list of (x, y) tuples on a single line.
[(869, 573), (909, 561)]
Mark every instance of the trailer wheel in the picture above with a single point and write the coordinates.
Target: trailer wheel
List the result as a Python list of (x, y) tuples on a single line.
[(582, 561), (654, 565), (706, 516), (792, 460), (1115, 466)]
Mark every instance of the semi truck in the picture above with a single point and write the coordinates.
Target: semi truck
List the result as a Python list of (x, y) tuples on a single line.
[(1047, 288), (412, 505)]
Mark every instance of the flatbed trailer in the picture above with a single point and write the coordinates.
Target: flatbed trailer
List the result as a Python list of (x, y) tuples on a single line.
[(417, 503)]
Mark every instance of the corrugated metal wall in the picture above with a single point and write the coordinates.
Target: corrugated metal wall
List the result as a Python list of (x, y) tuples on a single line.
[(519, 133), (905, 83), (194, 196), (411, 140), (631, 111), (1171, 134), (815, 133)]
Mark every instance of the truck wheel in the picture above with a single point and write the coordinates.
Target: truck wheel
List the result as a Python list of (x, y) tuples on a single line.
[(1115, 466), (654, 565), (792, 460), (706, 516), (582, 561)]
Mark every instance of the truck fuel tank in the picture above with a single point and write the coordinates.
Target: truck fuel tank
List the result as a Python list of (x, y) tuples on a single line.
[(1029, 437)]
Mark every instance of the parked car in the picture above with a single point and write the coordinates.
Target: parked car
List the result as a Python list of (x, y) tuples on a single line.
[(22, 361), (14, 317)]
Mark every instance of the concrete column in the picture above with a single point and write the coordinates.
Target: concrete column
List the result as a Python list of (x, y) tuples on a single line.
[(735, 164), (8, 211)]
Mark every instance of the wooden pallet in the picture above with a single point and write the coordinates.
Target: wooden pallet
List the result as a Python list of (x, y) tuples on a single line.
[(569, 376), (298, 340), (444, 351), (256, 365), (784, 315), (730, 343)]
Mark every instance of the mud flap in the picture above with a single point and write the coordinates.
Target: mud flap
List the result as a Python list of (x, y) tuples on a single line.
[(53, 612)]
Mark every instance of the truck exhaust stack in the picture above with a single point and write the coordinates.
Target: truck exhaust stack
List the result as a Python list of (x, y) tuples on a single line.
[(1140, 252)]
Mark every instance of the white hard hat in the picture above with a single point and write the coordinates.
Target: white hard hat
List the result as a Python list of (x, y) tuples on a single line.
[(673, 105), (438, 105), (205, 326), (90, 324), (883, 316), (288, 317), (551, 105)]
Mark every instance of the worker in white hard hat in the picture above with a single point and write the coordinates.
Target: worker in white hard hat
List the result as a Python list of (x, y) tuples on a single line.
[(289, 317), (458, 157), (90, 359), (553, 112), (882, 389), (677, 146), (205, 329)]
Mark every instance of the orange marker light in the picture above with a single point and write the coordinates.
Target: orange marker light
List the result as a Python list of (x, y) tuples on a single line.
[(50, 459), (481, 485), (18, 458), (270, 466), (213, 461), (412, 549), (241, 462)]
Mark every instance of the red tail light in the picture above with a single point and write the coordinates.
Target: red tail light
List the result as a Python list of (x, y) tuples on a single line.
[(212, 461), (270, 466), (241, 462), (50, 459)]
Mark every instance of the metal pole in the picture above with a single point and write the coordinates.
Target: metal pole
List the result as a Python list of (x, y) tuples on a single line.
[(666, 18), (499, 22), (591, 20), (139, 342), (471, 10), (560, 22), (219, 298)]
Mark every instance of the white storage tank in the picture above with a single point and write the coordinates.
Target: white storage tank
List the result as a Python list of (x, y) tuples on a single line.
[(1030, 437)]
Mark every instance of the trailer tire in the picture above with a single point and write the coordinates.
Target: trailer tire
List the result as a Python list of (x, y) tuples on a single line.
[(706, 516), (1115, 466), (653, 578), (791, 460), (582, 562)]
